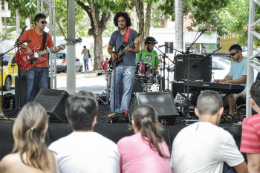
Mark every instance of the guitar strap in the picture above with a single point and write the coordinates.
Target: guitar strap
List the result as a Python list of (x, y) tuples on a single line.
[(44, 39), (126, 37)]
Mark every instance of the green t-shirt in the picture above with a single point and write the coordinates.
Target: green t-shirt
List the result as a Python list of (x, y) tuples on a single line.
[(146, 56)]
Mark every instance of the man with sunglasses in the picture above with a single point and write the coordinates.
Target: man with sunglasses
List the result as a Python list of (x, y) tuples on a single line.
[(236, 75), (39, 75)]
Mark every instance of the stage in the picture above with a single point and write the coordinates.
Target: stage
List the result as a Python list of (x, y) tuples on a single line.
[(114, 132)]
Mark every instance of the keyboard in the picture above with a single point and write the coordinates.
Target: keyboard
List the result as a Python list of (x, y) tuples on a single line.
[(220, 87)]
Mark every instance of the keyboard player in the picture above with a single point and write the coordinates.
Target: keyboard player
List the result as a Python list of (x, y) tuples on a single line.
[(236, 75)]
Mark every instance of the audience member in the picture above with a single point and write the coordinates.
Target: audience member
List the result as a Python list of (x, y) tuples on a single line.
[(203, 146), (250, 142), (84, 150), (32, 154), (146, 150), (86, 57)]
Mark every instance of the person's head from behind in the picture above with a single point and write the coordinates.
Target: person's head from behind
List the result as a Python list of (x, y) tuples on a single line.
[(81, 111), (209, 107), (29, 133), (235, 52), (255, 96), (145, 121)]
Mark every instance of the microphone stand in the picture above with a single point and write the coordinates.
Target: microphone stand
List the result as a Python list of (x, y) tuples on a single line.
[(187, 108)]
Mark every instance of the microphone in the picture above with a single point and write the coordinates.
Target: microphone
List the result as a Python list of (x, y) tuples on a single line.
[(24, 28), (161, 46), (119, 27)]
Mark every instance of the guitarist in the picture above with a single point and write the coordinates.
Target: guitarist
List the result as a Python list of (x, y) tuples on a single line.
[(37, 76), (125, 70)]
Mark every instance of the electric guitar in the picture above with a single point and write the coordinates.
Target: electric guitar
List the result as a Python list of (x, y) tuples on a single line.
[(120, 52), (27, 61)]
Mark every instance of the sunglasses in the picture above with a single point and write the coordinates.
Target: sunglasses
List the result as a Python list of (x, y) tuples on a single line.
[(233, 54), (43, 22)]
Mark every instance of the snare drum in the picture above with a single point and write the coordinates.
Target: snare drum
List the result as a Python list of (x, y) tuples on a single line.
[(143, 70)]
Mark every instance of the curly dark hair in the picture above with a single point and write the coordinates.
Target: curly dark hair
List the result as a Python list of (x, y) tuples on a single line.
[(124, 15)]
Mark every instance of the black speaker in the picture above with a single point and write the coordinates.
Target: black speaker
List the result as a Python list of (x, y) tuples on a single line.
[(200, 71), (162, 102), (21, 91), (54, 102)]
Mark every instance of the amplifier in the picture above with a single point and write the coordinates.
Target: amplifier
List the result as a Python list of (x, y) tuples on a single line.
[(200, 71)]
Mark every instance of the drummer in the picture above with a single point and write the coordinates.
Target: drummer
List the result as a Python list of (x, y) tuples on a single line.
[(149, 55)]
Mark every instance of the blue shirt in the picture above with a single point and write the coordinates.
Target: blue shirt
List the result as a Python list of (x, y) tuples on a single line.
[(128, 58), (237, 70)]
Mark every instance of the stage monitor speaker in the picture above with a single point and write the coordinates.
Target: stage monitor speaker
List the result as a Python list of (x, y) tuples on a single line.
[(162, 102), (54, 102), (201, 71)]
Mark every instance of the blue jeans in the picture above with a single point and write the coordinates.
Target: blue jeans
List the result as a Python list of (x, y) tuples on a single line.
[(125, 74), (86, 64), (36, 78)]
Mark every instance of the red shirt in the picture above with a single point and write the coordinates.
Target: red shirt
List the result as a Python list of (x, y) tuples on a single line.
[(105, 65), (36, 40), (250, 141)]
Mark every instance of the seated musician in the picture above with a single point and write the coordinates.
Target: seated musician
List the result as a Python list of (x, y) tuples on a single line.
[(236, 75), (148, 55)]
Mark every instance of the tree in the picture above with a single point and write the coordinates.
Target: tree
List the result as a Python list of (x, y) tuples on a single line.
[(99, 14), (235, 16)]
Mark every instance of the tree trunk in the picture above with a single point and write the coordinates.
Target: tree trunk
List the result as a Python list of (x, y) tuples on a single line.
[(178, 44), (148, 20), (97, 27), (98, 51), (139, 5)]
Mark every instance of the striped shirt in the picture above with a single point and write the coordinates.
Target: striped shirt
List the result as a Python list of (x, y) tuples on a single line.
[(250, 142)]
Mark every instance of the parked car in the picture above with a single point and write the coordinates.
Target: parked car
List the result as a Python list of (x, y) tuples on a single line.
[(10, 70), (61, 63)]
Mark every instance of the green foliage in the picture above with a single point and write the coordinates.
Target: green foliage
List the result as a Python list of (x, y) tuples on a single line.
[(235, 16), (214, 23)]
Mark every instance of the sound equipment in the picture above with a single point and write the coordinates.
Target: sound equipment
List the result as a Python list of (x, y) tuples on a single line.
[(21, 91), (162, 102), (220, 87), (179, 87), (200, 71), (54, 102)]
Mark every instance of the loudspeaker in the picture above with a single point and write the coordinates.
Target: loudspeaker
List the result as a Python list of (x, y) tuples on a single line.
[(162, 102), (21, 91), (54, 102), (200, 71)]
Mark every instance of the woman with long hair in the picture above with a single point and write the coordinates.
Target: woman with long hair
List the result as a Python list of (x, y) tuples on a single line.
[(30, 153), (146, 150)]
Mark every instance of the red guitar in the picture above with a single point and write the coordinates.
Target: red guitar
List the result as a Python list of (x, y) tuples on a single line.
[(27, 61)]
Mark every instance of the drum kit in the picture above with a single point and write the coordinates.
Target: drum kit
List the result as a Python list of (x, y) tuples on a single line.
[(144, 75)]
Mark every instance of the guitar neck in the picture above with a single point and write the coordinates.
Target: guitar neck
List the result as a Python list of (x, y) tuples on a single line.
[(52, 49)]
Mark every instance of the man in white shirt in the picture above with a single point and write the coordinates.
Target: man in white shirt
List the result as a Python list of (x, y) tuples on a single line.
[(84, 150), (203, 146)]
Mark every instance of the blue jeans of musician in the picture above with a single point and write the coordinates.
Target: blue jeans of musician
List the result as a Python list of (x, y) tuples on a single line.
[(126, 75), (86, 64), (36, 78)]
